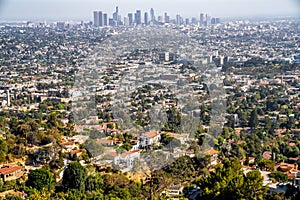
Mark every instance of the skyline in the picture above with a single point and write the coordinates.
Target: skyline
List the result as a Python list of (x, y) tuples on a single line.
[(82, 10)]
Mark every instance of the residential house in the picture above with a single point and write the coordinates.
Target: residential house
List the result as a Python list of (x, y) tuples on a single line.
[(149, 138), (173, 190), (267, 155), (213, 156), (135, 144), (68, 145), (127, 158), (105, 142), (11, 172)]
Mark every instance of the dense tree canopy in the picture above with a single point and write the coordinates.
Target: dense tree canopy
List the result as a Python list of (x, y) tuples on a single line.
[(3, 150), (229, 182), (40, 179), (74, 177)]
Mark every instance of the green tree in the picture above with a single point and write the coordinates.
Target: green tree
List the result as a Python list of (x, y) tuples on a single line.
[(266, 164), (40, 179), (253, 186), (127, 146), (74, 177), (278, 176), (253, 121), (94, 182), (229, 182), (13, 197), (275, 196), (183, 162), (93, 148), (3, 150), (38, 194)]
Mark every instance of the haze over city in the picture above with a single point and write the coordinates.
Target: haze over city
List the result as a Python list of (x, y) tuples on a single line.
[(150, 99), (82, 10)]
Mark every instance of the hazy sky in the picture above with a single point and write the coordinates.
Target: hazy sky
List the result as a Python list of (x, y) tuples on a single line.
[(82, 9)]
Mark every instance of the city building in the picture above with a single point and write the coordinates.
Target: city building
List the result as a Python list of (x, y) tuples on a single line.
[(152, 16), (61, 25), (138, 17), (160, 19), (105, 19), (96, 18), (101, 19), (115, 14), (167, 18), (194, 20), (201, 19), (126, 21), (146, 18), (213, 21), (117, 17), (178, 19), (130, 19), (187, 21), (208, 20), (112, 22)]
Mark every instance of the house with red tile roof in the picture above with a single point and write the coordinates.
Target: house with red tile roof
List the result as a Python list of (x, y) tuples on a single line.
[(11, 172), (68, 145), (285, 167), (213, 156), (105, 142), (75, 153), (267, 155)]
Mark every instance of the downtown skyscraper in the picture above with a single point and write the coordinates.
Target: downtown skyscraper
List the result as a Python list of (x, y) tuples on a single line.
[(101, 19)]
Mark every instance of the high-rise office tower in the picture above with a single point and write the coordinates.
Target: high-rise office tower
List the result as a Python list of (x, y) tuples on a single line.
[(213, 21), (178, 19), (112, 22), (96, 18), (105, 19), (208, 20), (126, 21), (201, 19), (194, 20), (160, 19), (130, 19), (138, 17), (187, 21), (101, 20), (166, 18), (152, 16), (146, 18), (115, 14), (119, 19), (115, 17)]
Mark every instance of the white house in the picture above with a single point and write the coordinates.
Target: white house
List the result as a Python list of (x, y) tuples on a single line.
[(149, 138), (127, 158)]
